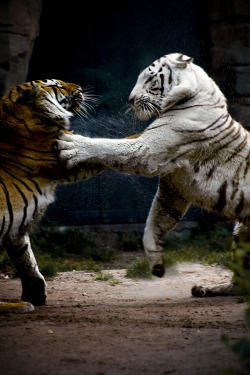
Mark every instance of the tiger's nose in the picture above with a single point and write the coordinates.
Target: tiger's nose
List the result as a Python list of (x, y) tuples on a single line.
[(132, 99)]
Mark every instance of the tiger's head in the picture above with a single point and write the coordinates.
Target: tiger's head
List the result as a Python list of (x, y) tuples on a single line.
[(163, 84), (47, 104)]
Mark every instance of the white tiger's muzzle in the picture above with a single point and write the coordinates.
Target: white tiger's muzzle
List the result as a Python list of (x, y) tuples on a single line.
[(143, 106)]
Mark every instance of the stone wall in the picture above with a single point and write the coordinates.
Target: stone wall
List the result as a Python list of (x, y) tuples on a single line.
[(228, 57), (19, 27), (230, 53), (226, 40)]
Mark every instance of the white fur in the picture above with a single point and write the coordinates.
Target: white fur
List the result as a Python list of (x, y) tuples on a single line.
[(198, 151)]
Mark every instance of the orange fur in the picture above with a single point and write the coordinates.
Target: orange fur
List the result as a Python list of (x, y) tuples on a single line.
[(32, 116)]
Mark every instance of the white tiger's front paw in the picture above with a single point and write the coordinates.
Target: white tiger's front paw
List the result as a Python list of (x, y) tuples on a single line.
[(70, 150), (156, 262), (67, 157)]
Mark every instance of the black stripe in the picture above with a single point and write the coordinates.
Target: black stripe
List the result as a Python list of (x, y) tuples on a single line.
[(209, 174), (63, 112), (162, 83), (211, 171), (54, 88), (196, 167), (16, 163), (8, 132), (36, 206), (31, 131), (170, 78), (9, 206), (36, 186), (247, 165), (19, 88), (149, 80), (180, 156), (238, 149), (214, 105), (211, 137), (24, 209), (219, 125), (222, 198), (235, 181), (16, 178), (24, 156), (240, 206), (237, 135), (19, 145), (2, 227), (11, 113), (203, 130), (185, 100)]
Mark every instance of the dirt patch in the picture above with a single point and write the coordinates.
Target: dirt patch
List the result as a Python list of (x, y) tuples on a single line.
[(126, 327)]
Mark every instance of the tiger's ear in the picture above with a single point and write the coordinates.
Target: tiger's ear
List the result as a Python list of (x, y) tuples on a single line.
[(24, 97), (184, 59), (181, 60)]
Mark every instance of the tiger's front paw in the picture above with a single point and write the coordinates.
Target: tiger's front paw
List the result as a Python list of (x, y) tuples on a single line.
[(158, 270), (156, 262), (34, 290)]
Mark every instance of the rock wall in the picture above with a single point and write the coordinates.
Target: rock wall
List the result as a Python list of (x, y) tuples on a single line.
[(19, 27), (230, 53), (228, 57)]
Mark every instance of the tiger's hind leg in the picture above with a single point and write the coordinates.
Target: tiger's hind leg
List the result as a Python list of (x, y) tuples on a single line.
[(167, 210), (241, 236), (33, 283)]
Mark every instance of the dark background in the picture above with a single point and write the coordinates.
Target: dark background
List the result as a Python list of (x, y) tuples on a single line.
[(105, 47)]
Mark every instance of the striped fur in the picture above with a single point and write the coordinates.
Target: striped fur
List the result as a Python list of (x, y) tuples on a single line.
[(201, 154), (32, 116)]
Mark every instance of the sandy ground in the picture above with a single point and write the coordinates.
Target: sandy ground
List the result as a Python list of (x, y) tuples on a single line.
[(131, 327)]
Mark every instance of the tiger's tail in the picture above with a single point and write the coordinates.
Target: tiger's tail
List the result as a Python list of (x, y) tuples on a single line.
[(17, 307)]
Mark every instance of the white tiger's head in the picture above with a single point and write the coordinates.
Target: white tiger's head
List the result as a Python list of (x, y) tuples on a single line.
[(166, 82)]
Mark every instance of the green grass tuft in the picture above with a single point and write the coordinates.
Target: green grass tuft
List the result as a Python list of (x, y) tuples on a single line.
[(206, 247), (104, 276), (139, 269), (59, 250)]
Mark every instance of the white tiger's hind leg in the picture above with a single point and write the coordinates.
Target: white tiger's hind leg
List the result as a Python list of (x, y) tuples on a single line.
[(241, 234), (225, 289), (167, 210), (33, 283)]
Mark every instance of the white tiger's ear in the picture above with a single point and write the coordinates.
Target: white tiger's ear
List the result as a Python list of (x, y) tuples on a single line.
[(180, 60)]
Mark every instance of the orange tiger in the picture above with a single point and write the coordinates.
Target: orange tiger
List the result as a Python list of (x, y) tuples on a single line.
[(32, 116)]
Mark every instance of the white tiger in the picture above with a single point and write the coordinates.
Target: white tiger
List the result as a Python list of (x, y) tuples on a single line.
[(200, 153)]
